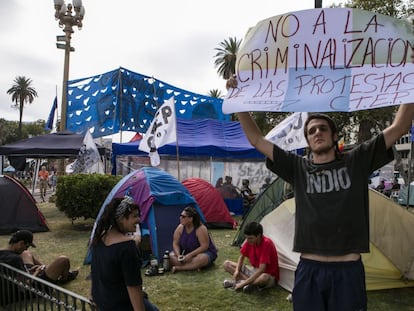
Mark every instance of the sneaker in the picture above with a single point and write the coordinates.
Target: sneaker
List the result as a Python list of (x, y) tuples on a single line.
[(72, 275), (249, 288), (229, 283)]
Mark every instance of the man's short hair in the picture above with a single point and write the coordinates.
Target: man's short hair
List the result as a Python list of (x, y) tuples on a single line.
[(319, 116)]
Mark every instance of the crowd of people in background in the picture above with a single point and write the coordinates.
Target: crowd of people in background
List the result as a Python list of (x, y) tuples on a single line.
[(229, 191), (46, 179), (388, 188)]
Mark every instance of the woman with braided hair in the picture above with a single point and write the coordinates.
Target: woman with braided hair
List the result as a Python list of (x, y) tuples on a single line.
[(116, 265)]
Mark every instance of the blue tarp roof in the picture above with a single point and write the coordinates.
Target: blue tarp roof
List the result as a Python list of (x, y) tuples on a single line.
[(201, 138), (123, 100)]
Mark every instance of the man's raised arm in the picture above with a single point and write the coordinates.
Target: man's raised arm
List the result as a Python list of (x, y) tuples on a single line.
[(254, 135), (400, 126)]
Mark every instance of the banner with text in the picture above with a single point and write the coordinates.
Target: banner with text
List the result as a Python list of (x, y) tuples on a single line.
[(335, 59), (289, 134), (162, 131)]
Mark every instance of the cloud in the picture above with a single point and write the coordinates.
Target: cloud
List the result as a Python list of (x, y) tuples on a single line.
[(173, 41)]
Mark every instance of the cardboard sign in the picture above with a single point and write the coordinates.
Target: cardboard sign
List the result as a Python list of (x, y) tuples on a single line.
[(324, 60)]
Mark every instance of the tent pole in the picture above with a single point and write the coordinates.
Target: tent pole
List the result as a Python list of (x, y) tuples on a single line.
[(178, 161), (37, 168), (120, 103), (211, 170), (410, 167)]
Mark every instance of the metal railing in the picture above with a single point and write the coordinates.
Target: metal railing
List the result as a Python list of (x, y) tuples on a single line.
[(21, 291)]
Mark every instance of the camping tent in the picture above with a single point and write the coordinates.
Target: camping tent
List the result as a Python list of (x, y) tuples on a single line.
[(390, 264), (161, 198), (266, 202), (18, 208), (211, 203)]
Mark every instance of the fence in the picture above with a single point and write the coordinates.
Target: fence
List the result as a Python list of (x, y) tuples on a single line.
[(21, 291)]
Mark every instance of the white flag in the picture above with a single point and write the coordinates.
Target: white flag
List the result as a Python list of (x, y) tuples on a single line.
[(288, 134), (88, 156), (162, 131)]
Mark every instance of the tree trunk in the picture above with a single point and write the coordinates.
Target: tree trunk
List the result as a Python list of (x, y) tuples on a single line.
[(364, 132), (20, 117)]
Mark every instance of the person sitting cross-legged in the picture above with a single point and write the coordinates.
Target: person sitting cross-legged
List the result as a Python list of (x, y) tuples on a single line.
[(193, 248), (263, 257)]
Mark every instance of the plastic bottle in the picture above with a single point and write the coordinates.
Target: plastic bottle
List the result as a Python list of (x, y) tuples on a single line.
[(166, 261), (154, 262)]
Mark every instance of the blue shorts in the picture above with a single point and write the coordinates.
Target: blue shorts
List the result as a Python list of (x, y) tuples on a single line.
[(211, 258), (329, 286)]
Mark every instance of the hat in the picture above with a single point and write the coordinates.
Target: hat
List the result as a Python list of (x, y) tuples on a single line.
[(23, 235)]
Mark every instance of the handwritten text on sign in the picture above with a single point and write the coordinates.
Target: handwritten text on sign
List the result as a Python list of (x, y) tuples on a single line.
[(324, 60)]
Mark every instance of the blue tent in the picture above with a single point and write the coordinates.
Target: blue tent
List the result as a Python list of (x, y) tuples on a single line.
[(161, 198), (200, 138)]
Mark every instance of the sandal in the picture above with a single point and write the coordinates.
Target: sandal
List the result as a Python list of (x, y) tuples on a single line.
[(151, 271)]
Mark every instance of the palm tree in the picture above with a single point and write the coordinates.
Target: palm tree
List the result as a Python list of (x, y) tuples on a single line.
[(216, 93), (225, 59), (21, 93)]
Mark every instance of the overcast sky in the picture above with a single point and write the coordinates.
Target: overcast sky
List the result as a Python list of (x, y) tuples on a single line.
[(172, 41)]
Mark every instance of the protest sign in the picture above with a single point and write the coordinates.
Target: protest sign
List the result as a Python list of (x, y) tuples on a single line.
[(336, 59)]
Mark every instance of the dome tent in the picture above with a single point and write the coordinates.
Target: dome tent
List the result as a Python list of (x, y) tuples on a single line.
[(211, 203), (161, 198), (18, 208)]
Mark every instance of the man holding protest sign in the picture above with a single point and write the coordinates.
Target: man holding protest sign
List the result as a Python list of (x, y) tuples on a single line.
[(330, 187)]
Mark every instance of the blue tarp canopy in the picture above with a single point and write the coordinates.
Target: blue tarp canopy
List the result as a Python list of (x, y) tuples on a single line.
[(201, 139), (123, 100)]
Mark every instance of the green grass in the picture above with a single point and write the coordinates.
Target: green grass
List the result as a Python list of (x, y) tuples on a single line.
[(189, 291)]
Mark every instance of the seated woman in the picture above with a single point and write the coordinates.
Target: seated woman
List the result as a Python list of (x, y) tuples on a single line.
[(193, 247)]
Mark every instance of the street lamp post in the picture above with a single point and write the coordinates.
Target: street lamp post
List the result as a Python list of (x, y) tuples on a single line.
[(67, 20)]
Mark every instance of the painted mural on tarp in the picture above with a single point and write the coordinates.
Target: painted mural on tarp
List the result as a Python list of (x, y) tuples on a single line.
[(255, 171), (122, 100), (336, 59)]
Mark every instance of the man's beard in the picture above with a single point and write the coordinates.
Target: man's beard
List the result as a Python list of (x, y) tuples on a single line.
[(323, 150)]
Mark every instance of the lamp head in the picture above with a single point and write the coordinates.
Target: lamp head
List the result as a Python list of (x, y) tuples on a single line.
[(77, 3)]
